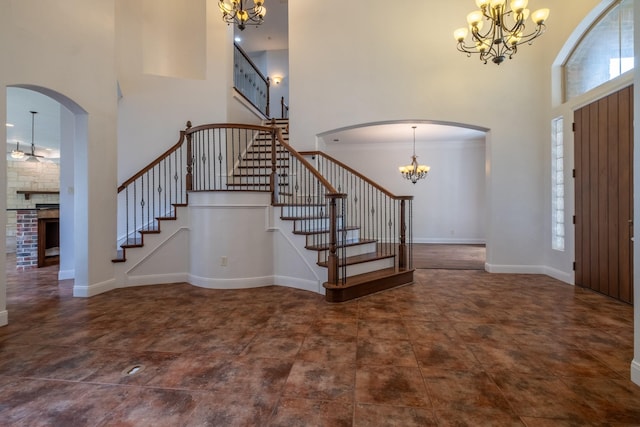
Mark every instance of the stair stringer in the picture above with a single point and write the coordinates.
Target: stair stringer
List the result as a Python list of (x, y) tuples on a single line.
[(295, 266), (164, 257)]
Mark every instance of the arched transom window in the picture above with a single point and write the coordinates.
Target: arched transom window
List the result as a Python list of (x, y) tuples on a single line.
[(604, 53)]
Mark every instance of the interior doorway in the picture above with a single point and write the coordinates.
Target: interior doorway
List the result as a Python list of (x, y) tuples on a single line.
[(71, 129), (449, 256), (32, 177), (604, 195)]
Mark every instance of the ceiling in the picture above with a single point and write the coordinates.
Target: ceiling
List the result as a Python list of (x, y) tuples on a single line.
[(271, 35), (401, 131), (46, 123)]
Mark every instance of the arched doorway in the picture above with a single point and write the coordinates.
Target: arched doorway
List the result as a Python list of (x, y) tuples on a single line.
[(72, 127), (449, 205)]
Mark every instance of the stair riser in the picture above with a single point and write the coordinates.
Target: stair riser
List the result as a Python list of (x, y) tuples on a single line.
[(315, 239), (367, 267), (263, 163), (302, 211), (261, 157), (351, 250), (314, 224), (258, 170), (264, 180)]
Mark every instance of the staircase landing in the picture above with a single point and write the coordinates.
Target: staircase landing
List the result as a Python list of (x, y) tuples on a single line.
[(367, 284)]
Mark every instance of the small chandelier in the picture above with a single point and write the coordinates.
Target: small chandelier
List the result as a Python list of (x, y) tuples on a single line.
[(506, 29), (17, 153), (414, 172), (233, 12)]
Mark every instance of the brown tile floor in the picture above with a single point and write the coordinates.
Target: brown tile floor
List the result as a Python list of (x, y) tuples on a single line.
[(455, 348)]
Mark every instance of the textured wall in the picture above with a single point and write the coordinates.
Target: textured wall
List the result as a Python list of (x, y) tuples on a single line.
[(28, 176)]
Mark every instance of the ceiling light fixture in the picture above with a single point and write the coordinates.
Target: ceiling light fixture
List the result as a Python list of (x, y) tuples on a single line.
[(414, 172), (506, 29), (9, 125), (17, 153), (233, 12), (33, 157)]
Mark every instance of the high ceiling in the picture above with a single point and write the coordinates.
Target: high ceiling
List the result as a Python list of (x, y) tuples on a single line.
[(273, 34)]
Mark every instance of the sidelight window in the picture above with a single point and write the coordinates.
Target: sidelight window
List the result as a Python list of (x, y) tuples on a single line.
[(557, 184)]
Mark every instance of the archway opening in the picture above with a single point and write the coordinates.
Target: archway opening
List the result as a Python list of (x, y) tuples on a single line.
[(61, 141), (449, 208)]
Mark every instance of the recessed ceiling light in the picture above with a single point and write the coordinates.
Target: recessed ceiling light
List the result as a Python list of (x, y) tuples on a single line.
[(237, 39), (9, 125)]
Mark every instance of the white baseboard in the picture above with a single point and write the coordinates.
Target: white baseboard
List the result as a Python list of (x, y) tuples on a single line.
[(256, 282), (297, 283), (559, 275), (530, 269), (66, 274), (85, 291), (241, 283), (635, 371), (515, 269), (156, 279), (4, 318)]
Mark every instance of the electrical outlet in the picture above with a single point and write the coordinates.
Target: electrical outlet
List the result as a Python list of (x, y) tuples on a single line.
[(223, 261)]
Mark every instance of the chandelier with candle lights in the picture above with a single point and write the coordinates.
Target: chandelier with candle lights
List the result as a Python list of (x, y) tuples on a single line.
[(497, 31)]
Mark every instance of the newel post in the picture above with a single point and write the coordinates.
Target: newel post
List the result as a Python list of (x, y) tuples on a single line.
[(268, 96), (332, 261), (189, 177), (402, 249)]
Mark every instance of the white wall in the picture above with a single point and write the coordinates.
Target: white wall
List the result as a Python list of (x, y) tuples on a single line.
[(4, 315), (67, 195), (448, 205), (230, 248), (154, 108), (358, 73), (67, 46), (278, 65)]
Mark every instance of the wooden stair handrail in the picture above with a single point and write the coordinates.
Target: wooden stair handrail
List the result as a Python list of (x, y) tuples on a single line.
[(191, 130), (156, 161), (332, 191), (356, 173)]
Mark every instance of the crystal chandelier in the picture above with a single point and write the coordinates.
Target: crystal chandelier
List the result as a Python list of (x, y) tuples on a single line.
[(414, 172), (505, 32), (233, 12)]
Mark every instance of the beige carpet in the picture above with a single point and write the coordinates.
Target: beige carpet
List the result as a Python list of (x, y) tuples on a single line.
[(450, 257)]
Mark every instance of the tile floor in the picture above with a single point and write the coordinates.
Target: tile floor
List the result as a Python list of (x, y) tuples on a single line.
[(455, 348)]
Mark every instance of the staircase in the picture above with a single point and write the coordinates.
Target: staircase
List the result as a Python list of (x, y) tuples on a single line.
[(362, 254)]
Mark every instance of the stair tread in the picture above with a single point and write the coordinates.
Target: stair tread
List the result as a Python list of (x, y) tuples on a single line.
[(296, 218), (324, 230), (131, 245), (261, 167), (252, 184), (256, 175), (355, 242)]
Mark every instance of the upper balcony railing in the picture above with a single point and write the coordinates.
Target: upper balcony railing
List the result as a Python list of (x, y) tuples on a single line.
[(250, 82)]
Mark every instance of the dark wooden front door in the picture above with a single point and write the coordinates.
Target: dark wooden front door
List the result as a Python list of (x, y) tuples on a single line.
[(604, 195)]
